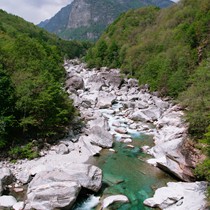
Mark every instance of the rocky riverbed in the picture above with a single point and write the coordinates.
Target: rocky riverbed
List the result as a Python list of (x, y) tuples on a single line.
[(113, 108)]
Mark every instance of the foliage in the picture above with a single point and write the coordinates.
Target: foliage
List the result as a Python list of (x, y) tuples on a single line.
[(28, 151), (202, 171), (197, 99), (33, 101)]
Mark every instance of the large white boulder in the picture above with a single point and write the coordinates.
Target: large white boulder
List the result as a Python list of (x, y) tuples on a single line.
[(52, 194), (7, 201), (179, 196), (101, 137)]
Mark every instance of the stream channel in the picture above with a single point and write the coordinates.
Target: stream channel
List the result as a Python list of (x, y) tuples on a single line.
[(125, 171)]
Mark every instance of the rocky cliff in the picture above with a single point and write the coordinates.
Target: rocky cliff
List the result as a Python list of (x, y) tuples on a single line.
[(87, 19)]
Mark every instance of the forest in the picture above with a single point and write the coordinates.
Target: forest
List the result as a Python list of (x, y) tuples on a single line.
[(168, 49), (33, 104)]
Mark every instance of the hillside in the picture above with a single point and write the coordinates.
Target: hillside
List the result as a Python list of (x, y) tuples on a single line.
[(33, 103), (87, 19), (169, 50)]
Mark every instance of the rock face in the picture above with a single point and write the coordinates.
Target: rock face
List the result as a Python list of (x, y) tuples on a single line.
[(179, 196), (92, 17)]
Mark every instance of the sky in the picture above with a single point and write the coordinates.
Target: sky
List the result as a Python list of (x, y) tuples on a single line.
[(35, 11)]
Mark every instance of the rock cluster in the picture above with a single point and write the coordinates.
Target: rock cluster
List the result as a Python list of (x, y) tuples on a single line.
[(112, 108), (137, 110)]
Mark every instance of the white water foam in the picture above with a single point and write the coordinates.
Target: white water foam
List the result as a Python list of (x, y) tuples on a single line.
[(90, 203)]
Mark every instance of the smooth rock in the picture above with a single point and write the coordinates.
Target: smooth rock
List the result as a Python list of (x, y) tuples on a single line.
[(86, 175), (62, 149), (75, 82), (98, 121), (105, 100), (112, 79), (18, 189), (121, 130), (139, 116), (100, 137), (93, 149), (112, 199), (18, 206), (7, 201), (179, 196), (52, 194), (128, 140), (6, 178)]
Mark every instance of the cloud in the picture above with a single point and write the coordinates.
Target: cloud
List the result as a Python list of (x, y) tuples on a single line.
[(33, 10)]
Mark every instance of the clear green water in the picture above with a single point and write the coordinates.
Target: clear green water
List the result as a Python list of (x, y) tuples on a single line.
[(126, 172)]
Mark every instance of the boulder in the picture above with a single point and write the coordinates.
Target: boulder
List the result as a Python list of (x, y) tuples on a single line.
[(6, 178), (172, 166), (139, 116), (52, 193), (7, 201), (114, 198), (75, 82), (113, 79), (99, 136), (89, 100), (59, 187), (18, 206), (133, 82), (62, 149), (105, 100), (93, 149), (88, 176), (121, 130), (100, 121), (95, 83), (127, 140), (179, 196)]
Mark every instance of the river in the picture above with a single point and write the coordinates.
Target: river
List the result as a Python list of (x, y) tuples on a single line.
[(125, 170)]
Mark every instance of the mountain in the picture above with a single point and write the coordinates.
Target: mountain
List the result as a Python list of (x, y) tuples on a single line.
[(42, 24), (87, 19), (33, 104), (170, 51)]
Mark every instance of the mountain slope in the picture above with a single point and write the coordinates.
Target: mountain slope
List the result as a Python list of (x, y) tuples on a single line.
[(86, 19), (32, 101)]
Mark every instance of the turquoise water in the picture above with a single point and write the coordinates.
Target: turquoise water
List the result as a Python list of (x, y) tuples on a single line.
[(126, 172)]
